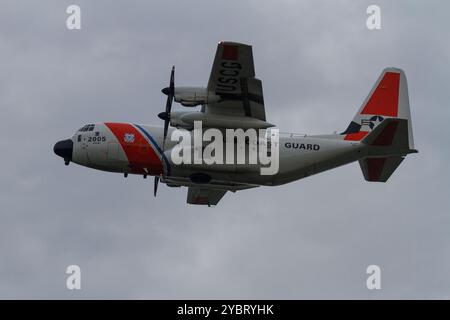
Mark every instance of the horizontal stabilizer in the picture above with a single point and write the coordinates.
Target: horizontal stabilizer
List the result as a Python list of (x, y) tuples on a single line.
[(379, 169), (389, 137), (388, 144)]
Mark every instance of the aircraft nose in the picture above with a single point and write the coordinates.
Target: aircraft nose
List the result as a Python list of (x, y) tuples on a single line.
[(64, 149)]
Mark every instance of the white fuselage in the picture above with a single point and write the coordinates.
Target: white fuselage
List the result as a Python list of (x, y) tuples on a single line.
[(137, 149)]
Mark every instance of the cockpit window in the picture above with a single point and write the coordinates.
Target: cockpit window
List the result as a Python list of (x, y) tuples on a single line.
[(88, 127)]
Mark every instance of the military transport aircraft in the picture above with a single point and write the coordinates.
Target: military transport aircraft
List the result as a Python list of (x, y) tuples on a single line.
[(379, 136)]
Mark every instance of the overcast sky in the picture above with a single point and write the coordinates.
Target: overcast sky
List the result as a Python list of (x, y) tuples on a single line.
[(313, 238)]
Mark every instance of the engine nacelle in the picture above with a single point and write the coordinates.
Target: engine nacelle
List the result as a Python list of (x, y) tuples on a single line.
[(186, 120), (194, 96), (175, 120)]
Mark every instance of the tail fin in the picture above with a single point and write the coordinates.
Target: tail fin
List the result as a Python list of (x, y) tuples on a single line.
[(387, 99), (383, 123)]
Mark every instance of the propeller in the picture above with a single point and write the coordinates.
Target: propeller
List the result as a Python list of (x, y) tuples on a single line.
[(169, 91), (165, 116), (155, 189)]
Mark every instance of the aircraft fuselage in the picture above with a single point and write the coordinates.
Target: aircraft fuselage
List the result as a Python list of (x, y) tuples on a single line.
[(137, 149)]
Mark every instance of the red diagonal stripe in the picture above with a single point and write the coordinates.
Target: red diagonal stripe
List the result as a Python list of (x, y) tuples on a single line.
[(140, 153), (384, 100)]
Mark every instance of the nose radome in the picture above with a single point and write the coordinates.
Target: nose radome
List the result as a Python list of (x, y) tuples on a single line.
[(64, 149)]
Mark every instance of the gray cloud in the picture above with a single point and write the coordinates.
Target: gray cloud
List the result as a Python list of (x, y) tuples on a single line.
[(310, 239)]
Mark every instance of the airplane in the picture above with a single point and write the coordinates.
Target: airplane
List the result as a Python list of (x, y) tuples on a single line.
[(379, 136)]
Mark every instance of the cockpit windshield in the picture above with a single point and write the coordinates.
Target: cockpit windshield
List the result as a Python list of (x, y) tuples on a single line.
[(88, 127)]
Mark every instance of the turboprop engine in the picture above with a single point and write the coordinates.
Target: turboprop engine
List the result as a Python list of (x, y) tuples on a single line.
[(192, 96), (186, 119)]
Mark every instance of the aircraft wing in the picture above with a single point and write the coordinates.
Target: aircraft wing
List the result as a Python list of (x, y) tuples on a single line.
[(204, 196), (233, 79)]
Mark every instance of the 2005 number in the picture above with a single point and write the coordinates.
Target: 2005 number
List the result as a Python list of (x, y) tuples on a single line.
[(96, 139)]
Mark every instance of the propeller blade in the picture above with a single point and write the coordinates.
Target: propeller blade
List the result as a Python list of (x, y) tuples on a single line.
[(168, 106), (166, 128), (170, 92), (155, 187), (172, 80)]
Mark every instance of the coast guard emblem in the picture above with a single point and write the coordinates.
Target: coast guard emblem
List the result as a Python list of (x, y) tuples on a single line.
[(128, 137)]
